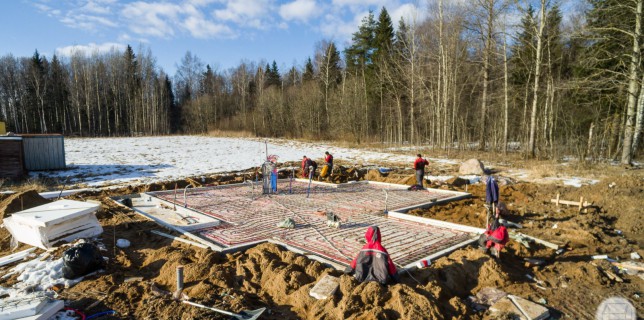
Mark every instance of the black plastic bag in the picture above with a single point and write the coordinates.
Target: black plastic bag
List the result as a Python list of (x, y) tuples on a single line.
[(81, 260)]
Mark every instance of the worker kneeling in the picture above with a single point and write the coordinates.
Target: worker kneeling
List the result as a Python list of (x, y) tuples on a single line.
[(373, 262), (496, 235)]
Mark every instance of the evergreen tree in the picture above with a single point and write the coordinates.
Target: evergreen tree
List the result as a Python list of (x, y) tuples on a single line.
[(360, 53), (523, 51), (383, 37), (207, 86), (309, 72), (37, 86), (175, 109), (59, 96)]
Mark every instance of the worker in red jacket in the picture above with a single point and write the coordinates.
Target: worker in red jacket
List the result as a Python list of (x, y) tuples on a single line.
[(308, 166), (373, 262), (419, 166), (328, 159), (496, 235)]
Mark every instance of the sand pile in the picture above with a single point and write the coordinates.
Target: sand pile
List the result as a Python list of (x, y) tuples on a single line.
[(19, 201)]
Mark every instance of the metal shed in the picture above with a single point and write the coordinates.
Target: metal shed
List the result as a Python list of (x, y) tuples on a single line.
[(12, 164), (44, 151)]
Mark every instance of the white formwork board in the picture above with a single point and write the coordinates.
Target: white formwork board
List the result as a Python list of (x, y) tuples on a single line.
[(56, 212), (64, 220)]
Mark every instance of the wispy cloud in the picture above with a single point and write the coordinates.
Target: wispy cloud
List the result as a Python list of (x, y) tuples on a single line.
[(409, 12), (151, 19), (206, 19), (90, 48), (247, 13), (336, 28), (90, 15), (301, 10), (201, 28)]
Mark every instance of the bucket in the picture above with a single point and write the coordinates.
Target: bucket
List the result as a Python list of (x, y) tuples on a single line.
[(423, 263)]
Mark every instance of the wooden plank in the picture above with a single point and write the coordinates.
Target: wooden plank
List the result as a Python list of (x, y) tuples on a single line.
[(571, 203), (537, 240)]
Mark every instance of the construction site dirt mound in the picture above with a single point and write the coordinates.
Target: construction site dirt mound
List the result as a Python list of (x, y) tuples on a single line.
[(397, 177), (12, 203), (570, 283)]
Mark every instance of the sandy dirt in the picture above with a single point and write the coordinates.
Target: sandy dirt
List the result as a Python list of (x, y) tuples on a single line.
[(270, 276)]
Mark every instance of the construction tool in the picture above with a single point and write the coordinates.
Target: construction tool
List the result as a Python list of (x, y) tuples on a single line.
[(308, 191), (177, 293), (243, 315)]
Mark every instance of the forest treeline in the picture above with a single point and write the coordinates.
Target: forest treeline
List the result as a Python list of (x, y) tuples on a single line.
[(463, 77)]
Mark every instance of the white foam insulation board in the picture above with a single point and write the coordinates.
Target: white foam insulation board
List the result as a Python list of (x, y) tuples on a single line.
[(64, 220)]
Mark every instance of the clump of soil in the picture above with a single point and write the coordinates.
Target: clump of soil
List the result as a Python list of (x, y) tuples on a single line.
[(19, 201), (396, 176)]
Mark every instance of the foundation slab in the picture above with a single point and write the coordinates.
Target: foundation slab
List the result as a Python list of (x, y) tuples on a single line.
[(247, 217)]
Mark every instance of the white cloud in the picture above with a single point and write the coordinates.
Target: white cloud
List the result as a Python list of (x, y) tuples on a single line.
[(409, 12), (153, 19), (358, 3), (299, 10), (334, 27), (86, 22), (201, 28), (90, 48), (83, 14), (253, 13), (96, 7)]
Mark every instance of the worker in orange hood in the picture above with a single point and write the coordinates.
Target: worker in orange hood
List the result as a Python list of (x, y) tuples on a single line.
[(373, 262)]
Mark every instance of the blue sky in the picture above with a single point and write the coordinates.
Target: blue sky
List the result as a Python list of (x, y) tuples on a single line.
[(220, 32)]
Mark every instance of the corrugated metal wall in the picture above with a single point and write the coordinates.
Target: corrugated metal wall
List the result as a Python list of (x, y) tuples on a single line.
[(44, 152), (12, 163)]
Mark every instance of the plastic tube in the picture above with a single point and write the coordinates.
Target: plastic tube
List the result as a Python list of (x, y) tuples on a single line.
[(100, 314)]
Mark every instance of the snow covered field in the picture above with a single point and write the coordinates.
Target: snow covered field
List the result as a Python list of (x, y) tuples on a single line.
[(100, 162), (112, 161)]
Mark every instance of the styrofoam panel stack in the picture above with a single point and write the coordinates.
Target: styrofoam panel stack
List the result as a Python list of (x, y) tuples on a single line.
[(45, 226)]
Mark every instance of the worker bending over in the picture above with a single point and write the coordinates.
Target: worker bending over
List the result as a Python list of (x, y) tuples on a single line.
[(373, 262), (496, 235), (308, 167)]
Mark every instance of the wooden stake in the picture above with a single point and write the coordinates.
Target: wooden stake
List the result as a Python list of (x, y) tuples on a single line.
[(557, 202)]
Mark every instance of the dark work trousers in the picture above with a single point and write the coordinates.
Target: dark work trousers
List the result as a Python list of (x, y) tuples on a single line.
[(420, 175)]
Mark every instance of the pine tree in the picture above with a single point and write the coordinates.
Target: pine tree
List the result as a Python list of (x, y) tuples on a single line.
[(37, 87), (309, 72), (59, 96), (360, 53), (523, 53), (383, 37)]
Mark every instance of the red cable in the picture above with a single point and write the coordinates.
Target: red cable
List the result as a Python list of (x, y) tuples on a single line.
[(76, 311)]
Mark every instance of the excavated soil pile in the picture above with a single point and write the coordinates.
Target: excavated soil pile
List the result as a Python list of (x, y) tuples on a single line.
[(571, 283), (396, 176), (264, 276), (19, 201)]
